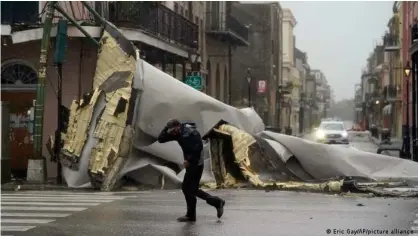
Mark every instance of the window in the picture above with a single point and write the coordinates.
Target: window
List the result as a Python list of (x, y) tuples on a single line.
[(15, 72), (196, 20), (181, 11), (226, 81), (176, 7), (208, 77), (218, 91), (186, 13)]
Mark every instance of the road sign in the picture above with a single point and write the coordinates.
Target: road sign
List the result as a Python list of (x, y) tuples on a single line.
[(194, 80), (261, 86)]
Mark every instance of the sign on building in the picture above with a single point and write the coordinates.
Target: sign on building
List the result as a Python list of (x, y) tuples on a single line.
[(194, 80), (261, 86)]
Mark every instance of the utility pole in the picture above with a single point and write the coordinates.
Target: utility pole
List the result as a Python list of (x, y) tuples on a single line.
[(42, 74), (61, 44)]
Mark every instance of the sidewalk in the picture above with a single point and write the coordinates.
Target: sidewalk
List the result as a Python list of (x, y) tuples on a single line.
[(394, 141), (21, 185)]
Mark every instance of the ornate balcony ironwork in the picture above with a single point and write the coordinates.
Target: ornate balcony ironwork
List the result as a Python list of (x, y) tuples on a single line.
[(414, 33), (157, 20), (391, 93), (227, 27), (391, 42), (20, 13)]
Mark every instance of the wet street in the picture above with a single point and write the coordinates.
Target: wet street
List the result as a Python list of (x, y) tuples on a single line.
[(247, 212)]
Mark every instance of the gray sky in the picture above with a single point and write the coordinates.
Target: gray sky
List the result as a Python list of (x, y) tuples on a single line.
[(338, 37)]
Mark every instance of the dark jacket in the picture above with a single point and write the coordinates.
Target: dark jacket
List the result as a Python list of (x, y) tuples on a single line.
[(189, 140)]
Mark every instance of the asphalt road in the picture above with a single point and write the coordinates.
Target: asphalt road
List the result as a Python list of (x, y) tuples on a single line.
[(247, 213)]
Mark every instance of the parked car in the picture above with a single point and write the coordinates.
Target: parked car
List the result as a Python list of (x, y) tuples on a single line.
[(331, 132)]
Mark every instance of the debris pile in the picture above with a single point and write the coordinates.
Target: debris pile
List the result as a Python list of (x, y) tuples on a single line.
[(112, 135)]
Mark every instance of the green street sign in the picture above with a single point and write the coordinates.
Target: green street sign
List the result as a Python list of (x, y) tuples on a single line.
[(194, 80)]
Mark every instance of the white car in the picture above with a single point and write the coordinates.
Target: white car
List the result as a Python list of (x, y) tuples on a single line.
[(332, 132)]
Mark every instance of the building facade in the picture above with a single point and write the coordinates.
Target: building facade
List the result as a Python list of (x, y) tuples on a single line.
[(305, 102), (224, 34), (291, 78), (168, 46), (260, 61), (322, 95)]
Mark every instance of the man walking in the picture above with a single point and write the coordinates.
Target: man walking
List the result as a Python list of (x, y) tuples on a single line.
[(190, 141)]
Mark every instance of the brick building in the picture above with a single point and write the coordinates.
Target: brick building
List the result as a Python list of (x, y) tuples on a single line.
[(169, 46)]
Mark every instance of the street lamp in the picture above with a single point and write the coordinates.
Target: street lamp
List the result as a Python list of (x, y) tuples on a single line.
[(193, 59), (301, 112), (288, 129), (249, 78), (406, 136)]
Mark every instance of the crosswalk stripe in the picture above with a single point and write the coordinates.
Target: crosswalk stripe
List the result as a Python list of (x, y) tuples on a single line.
[(49, 199), (50, 203), (61, 193), (416, 222), (33, 214), (64, 196), (414, 228), (27, 221), (20, 228), (41, 208), (25, 210)]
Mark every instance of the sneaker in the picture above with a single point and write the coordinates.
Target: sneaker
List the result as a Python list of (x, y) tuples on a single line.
[(186, 219), (220, 209)]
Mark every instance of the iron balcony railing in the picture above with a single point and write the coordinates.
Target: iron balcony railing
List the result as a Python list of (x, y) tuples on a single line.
[(20, 13), (390, 40), (157, 20), (223, 22), (234, 25), (414, 33), (390, 92)]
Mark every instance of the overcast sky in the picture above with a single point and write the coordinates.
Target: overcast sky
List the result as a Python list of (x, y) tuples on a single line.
[(338, 37)]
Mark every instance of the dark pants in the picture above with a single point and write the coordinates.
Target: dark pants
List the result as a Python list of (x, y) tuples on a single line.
[(191, 190)]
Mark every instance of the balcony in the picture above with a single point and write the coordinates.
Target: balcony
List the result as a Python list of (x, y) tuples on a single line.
[(391, 42), (20, 13), (226, 28), (157, 20), (414, 39), (391, 93), (24, 15)]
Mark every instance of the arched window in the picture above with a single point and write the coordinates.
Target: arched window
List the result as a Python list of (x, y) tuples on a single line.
[(17, 72), (226, 87), (218, 83), (208, 77)]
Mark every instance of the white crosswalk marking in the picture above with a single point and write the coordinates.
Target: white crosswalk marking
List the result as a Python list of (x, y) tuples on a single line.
[(53, 199), (16, 228), (31, 214), (35, 208), (414, 227), (26, 210), (27, 221), (50, 203)]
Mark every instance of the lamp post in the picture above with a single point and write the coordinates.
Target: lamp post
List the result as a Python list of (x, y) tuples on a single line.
[(406, 142), (289, 105), (301, 112), (249, 78)]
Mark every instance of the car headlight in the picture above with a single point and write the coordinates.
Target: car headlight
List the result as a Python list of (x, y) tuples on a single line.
[(345, 134), (320, 134)]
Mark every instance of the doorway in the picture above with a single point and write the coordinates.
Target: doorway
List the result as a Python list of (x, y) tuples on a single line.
[(18, 80)]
